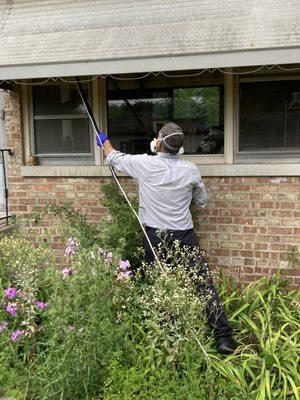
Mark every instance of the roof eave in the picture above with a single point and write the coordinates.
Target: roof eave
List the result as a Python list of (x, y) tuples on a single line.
[(242, 58)]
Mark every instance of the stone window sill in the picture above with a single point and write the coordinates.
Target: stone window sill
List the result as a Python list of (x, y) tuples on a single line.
[(276, 169)]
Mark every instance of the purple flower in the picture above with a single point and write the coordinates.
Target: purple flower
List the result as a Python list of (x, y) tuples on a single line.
[(14, 336), (11, 292), (71, 247), (124, 265), (41, 305), (109, 257), (11, 309), (69, 251), (3, 326), (66, 272), (101, 251)]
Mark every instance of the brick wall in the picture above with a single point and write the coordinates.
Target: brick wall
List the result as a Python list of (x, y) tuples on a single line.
[(248, 226)]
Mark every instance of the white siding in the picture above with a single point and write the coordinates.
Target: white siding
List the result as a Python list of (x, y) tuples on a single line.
[(64, 31)]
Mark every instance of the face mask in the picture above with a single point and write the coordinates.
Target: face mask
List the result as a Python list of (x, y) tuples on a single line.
[(153, 144)]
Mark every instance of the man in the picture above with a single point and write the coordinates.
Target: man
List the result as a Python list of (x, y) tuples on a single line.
[(167, 186)]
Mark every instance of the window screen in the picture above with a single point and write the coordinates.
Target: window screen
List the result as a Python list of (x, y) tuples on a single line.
[(269, 116), (61, 126)]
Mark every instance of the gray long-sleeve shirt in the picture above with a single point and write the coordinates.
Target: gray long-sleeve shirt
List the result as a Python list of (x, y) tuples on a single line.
[(167, 185)]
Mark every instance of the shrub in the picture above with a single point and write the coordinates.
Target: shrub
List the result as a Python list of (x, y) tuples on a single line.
[(25, 278), (266, 316), (108, 333), (80, 332), (73, 223), (165, 383), (120, 230)]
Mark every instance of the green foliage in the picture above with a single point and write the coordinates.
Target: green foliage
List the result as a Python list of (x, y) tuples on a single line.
[(198, 103), (28, 270), (108, 335), (293, 256), (120, 231), (165, 383), (163, 310), (266, 316), (79, 332), (74, 223), (23, 265)]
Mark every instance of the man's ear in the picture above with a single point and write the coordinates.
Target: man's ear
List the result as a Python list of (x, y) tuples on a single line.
[(159, 145)]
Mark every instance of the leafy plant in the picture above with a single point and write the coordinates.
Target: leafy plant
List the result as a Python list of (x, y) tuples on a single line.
[(74, 223), (120, 231), (80, 332), (110, 333), (266, 315)]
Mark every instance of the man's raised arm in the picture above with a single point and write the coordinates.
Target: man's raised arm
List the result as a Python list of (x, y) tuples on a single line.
[(126, 163)]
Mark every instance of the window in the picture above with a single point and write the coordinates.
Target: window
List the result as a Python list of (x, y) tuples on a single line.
[(60, 125), (269, 117), (198, 110)]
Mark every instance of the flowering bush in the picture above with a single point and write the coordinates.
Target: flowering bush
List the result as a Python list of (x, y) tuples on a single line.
[(23, 275), (80, 330), (97, 326)]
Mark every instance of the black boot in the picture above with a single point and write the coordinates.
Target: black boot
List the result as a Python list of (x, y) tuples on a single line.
[(226, 345)]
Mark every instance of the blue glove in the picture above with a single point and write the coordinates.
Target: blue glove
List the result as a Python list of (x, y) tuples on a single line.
[(101, 138)]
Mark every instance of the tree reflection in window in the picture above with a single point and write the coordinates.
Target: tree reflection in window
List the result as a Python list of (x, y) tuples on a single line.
[(198, 110)]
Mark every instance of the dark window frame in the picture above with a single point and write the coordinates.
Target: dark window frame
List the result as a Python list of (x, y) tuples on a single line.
[(262, 155), (114, 94), (84, 158)]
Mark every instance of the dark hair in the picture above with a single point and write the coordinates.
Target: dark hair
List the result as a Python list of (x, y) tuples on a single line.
[(173, 143)]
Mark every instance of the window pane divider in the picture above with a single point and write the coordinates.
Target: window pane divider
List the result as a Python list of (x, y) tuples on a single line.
[(63, 155), (229, 117), (60, 116), (266, 152)]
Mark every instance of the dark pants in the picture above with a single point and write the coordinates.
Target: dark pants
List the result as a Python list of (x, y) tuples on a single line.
[(215, 315)]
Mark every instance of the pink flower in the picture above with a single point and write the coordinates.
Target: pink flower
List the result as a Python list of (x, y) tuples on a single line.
[(11, 292), (109, 257), (101, 251), (72, 243), (124, 265), (66, 272), (11, 309), (69, 251), (41, 305), (14, 336), (3, 326)]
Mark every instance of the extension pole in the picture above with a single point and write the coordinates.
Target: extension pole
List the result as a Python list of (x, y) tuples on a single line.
[(131, 108), (96, 129)]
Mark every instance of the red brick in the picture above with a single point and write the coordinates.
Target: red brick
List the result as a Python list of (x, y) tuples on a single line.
[(280, 230), (248, 221)]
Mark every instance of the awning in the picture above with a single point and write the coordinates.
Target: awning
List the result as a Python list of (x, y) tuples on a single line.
[(89, 37)]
